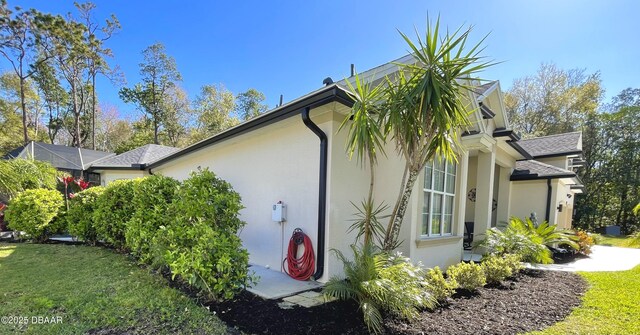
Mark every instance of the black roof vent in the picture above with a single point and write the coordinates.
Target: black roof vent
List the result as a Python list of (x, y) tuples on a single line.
[(327, 81)]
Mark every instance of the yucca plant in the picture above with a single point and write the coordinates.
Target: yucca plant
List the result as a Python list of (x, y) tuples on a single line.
[(380, 282)]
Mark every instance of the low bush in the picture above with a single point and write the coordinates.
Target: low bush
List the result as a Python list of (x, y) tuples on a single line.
[(530, 242), (113, 209), (152, 198), (496, 269), (377, 282), (34, 211), (469, 276), (200, 245), (440, 288), (513, 262), (80, 216), (17, 175)]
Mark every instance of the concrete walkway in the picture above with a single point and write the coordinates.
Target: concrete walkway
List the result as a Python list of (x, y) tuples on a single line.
[(602, 258), (275, 284)]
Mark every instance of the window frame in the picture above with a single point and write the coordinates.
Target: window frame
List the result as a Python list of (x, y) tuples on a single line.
[(444, 194)]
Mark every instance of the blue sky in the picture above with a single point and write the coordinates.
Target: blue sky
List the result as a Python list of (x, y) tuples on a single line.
[(289, 47)]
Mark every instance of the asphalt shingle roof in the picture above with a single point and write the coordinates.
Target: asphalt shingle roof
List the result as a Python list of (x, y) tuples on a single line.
[(482, 89), (567, 143), (534, 169), (145, 154), (60, 156)]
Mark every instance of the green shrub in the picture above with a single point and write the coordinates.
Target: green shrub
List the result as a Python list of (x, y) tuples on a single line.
[(34, 212), (513, 262), (523, 238), (469, 276), (496, 269), (201, 245), (113, 209), (440, 287), (378, 282), (80, 216), (152, 198), (17, 175)]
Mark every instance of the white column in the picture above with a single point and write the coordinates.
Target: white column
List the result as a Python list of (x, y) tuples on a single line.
[(461, 193), (504, 196), (484, 192)]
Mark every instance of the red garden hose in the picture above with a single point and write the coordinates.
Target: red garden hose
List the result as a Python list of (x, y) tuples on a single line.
[(300, 268)]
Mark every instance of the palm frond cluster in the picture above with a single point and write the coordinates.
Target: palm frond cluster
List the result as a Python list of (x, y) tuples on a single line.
[(381, 282)]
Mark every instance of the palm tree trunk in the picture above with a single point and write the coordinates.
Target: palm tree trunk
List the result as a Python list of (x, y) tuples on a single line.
[(393, 229)]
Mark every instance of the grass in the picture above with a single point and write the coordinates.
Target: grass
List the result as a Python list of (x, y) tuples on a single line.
[(92, 288), (610, 306), (617, 241)]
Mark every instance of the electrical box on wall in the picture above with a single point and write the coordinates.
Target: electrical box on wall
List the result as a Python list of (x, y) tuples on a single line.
[(278, 212)]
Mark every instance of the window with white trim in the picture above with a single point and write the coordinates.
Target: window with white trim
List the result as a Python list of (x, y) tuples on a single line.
[(439, 194)]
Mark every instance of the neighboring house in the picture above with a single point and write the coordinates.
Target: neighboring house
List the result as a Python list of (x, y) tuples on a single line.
[(130, 164), (295, 154), (75, 161)]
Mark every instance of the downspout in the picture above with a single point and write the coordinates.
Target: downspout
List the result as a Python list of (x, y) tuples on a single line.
[(322, 191), (546, 216)]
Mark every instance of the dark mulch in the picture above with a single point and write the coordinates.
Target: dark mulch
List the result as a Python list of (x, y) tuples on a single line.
[(532, 300)]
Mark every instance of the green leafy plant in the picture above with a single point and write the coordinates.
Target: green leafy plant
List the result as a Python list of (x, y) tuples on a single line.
[(469, 276), (440, 287), (509, 241), (200, 245), (113, 210), (380, 282), (523, 238), (496, 269), (34, 211), (17, 175), (544, 233), (80, 216), (513, 262), (152, 199)]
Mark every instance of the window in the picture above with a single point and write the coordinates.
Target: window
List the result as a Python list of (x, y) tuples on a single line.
[(439, 193)]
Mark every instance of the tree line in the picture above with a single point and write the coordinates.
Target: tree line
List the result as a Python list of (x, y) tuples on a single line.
[(555, 101), (49, 92)]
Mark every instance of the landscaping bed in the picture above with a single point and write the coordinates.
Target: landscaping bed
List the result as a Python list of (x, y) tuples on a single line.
[(532, 300)]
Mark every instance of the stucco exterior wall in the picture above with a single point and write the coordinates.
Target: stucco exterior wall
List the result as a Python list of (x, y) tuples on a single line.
[(527, 197), (108, 176)]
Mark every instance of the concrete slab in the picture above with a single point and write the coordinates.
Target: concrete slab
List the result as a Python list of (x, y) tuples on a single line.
[(468, 256), (602, 258), (275, 285)]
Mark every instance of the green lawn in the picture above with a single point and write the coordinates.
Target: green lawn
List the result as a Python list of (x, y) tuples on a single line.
[(90, 288), (611, 306), (616, 241)]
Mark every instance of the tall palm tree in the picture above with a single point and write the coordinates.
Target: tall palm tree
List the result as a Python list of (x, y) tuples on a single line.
[(422, 109)]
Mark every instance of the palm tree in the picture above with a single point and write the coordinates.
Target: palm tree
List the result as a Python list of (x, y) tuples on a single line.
[(422, 110), (365, 138)]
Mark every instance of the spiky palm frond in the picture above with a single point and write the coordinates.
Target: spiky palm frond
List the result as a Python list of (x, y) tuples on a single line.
[(381, 282), (367, 221)]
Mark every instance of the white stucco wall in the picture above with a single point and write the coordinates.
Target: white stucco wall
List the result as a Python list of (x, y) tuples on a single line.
[(107, 176), (527, 197)]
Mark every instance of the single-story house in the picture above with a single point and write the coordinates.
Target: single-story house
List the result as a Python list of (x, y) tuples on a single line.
[(295, 154), (130, 164), (75, 161)]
